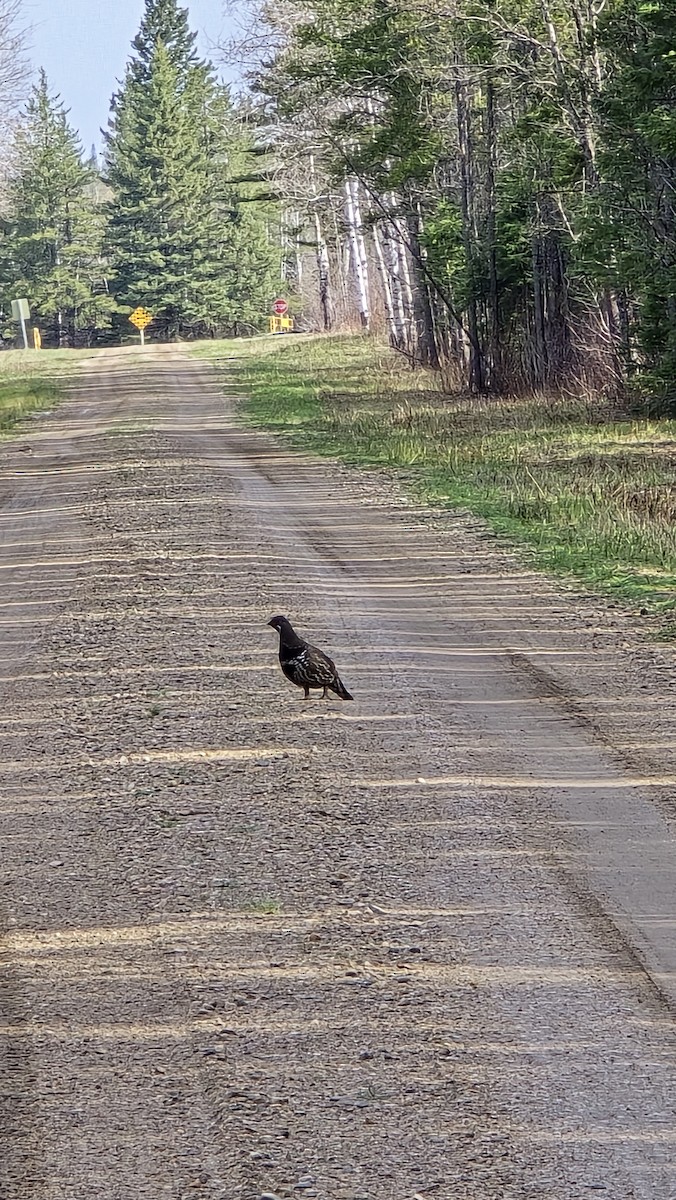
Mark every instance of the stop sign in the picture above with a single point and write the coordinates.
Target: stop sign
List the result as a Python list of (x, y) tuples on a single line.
[(280, 307)]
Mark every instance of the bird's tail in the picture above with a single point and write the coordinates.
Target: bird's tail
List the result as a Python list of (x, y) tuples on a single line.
[(339, 688)]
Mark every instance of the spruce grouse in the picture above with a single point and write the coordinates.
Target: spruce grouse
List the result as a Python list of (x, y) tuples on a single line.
[(305, 665)]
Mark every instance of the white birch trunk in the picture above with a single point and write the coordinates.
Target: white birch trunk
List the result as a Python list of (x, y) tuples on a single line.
[(358, 249), (346, 276), (395, 256), (298, 252), (401, 262), (284, 240), (323, 261), (385, 279), (324, 273)]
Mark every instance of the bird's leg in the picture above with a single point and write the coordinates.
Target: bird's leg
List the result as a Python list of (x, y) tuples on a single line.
[(307, 693), (325, 693)]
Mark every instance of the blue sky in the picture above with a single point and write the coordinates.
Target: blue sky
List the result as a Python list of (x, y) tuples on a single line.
[(84, 44)]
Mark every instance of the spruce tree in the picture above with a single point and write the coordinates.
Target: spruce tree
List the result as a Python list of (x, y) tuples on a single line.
[(163, 21), (173, 214), (158, 175), (52, 234), (249, 254)]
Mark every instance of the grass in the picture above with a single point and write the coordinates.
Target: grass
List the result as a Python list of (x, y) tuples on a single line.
[(590, 492), (265, 907), (31, 382)]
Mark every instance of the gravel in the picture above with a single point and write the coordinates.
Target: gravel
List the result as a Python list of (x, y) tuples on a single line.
[(257, 948)]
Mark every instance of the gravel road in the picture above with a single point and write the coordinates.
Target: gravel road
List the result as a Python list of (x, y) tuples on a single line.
[(418, 947)]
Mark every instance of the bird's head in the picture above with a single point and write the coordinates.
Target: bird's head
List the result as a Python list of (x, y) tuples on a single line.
[(287, 634)]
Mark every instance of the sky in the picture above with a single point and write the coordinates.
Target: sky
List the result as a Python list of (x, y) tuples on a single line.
[(84, 45)]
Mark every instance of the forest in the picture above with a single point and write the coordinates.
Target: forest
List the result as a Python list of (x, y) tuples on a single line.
[(507, 171), (491, 185)]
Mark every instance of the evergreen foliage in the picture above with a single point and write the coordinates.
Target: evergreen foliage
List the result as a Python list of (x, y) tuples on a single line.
[(50, 250), (638, 219), (176, 216)]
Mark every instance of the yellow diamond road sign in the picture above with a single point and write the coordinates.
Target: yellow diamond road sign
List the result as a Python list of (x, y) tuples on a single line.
[(141, 317)]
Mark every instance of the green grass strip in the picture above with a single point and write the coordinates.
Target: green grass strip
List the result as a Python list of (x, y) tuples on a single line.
[(32, 381)]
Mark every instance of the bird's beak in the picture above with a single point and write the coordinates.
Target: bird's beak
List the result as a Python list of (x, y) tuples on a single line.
[(271, 623)]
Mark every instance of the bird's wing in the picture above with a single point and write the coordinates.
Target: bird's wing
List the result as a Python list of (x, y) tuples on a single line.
[(324, 666), (310, 665)]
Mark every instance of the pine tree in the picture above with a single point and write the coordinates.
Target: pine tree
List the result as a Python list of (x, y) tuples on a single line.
[(172, 218), (51, 248)]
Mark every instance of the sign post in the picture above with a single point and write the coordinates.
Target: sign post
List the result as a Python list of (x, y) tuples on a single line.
[(21, 312), (141, 318), (281, 322)]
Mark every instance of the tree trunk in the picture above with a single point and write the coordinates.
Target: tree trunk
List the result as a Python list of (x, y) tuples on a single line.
[(298, 253), (326, 304), (540, 347), (557, 316), (358, 249), (324, 275), (625, 330), (401, 270), (388, 290), (427, 350), (476, 366), (493, 295), (576, 102)]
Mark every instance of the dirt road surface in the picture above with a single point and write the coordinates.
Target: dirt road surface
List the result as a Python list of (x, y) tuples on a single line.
[(418, 947)]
